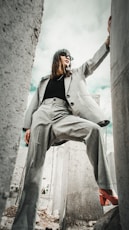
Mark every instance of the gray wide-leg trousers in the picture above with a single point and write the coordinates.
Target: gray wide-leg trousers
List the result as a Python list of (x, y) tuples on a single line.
[(50, 122)]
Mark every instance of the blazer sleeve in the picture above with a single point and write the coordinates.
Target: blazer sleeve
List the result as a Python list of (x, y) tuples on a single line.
[(31, 109), (89, 66)]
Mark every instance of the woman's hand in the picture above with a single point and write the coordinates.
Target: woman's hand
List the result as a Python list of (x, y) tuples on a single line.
[(107, 42), (109, 24), (27, 136)]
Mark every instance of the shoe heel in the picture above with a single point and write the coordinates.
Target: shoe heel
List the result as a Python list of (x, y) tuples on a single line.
[(103, 200)]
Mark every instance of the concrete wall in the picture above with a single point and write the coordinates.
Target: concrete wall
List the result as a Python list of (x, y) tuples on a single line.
[(20, 23), (120, 102)]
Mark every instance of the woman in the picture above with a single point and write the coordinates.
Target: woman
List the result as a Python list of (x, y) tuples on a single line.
[(62, 110)]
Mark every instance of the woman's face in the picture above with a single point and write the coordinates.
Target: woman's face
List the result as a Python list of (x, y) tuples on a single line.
[(65, 60)]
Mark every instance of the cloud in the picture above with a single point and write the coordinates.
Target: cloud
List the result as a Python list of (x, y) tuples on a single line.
[(80, 26)]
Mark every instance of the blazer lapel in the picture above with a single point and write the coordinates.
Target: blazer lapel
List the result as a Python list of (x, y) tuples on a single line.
[(67, 82), (42, 88)]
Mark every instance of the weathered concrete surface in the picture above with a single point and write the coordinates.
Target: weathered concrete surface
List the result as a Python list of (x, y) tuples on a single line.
[(20, 23), (110, 221), (82, 198), (120, 102)]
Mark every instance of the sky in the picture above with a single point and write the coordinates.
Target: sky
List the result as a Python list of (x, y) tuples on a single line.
[(81, 27)]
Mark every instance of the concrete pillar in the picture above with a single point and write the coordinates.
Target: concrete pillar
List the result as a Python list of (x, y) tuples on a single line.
[(120, 102), (20, 23), (82, 197), (69, 186)]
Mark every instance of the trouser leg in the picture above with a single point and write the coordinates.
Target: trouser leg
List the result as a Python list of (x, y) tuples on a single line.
[(78, 129), (96, 153), (39, 143)]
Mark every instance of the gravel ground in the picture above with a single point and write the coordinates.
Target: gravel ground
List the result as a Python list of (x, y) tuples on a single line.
[(44, 221)]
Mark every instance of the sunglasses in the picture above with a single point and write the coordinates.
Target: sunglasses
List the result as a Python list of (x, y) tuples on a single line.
[(66, 55)]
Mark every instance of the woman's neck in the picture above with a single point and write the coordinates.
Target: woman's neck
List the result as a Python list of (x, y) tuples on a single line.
[(59, 72)]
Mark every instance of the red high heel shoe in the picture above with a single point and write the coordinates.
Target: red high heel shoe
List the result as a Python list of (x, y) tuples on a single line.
[(106, 197)]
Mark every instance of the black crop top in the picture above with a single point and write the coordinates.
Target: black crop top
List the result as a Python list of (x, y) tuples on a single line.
[(55, 88)]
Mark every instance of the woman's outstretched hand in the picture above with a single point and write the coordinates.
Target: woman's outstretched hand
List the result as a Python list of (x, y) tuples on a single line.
[(107, 42)]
